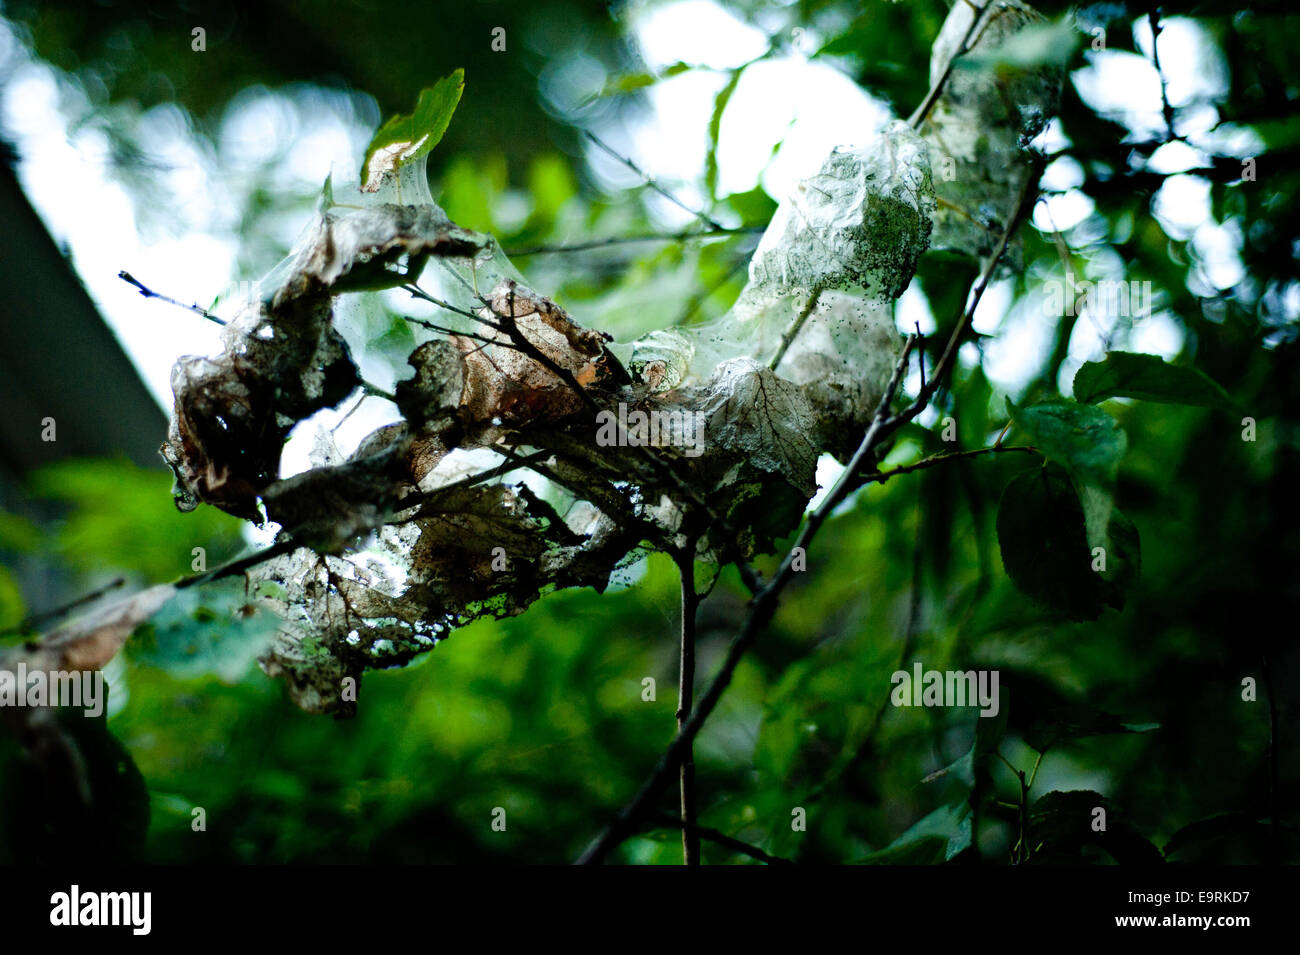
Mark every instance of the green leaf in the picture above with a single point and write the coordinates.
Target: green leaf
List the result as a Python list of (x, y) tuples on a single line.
[(471, 188), (404, 139), (325, 200), (212, 629), (715, 126), (91, 803), (1150, 378), (754, 207), (630, 82), (395, 342), (1089, 444), (1240, 827), (12, 605), (923, 850), (989, 731), (936, 838), (1044, 545), (1123, 555), (551, 185), (1086, 440), (121, 516), (1061, 831), (18, 533), (1077, 722), (1035, 45)]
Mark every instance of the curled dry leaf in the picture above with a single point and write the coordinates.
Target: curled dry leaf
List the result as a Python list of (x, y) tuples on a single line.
[(283, 359), (751, 415)]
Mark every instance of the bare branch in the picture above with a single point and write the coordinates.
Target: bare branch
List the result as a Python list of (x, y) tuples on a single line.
[(150, 293), (763, 604), (795, 327), (1167, 110), (29, 624), (685, 698), (713, 233), (722, 839), (761, 608), (650, 182), (880, 477), (927, 104)]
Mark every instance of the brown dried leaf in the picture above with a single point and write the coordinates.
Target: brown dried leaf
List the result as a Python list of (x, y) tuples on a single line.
[(92, 639)]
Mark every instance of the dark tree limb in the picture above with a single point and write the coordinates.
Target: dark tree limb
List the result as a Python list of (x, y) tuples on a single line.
[(763, 604)]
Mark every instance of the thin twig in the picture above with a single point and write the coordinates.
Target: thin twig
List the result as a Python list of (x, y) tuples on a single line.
[(927, 104), (150, 293), (880, 477), (685, 699), (1023, 204), (722, 839), (650, 182), (621, 513), (281, 547), (1274, 822), (713, 233), (286, 544), (795, 327), (29, 624), (761, 608), (509, 326), (703, 295), (763, 605)]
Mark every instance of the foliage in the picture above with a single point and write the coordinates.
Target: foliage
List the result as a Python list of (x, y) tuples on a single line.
[(1122, 689)]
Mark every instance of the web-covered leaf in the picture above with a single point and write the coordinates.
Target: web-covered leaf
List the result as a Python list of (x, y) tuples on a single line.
[(404, 139)]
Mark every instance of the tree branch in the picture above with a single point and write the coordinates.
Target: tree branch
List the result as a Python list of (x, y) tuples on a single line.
[(880, 477), (761, 608), (721, 838), (1153, 18), (685, 699), (927, 104), (28, 624), (763, 604), (795, 327), (507, 325)]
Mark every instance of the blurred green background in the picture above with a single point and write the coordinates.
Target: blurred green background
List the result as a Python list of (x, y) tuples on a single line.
[(543, 714)]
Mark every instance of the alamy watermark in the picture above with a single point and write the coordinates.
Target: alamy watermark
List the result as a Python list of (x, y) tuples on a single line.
[(73, 688), (924, 687), (652, 429), (1107, 297), (129, 909)]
